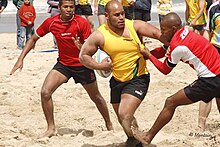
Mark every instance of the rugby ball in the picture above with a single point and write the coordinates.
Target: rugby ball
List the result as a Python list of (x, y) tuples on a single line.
[(99, 56)]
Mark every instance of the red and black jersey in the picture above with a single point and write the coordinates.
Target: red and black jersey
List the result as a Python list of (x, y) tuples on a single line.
[(63, 32)]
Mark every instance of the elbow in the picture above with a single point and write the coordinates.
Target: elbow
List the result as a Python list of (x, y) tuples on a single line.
[(80, 58), (165, 73)]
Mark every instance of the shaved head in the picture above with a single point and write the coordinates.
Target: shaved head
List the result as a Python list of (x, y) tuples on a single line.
[(171, 19), (110, 4), (169, 25)]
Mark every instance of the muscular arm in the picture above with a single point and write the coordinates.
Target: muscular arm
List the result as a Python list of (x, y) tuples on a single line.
[(148, 30), (89, 48)]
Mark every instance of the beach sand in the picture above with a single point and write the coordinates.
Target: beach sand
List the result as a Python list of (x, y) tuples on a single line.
[(77, 119)]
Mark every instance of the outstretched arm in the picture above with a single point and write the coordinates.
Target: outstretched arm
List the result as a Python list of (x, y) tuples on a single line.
[(146, 29), (89, 48), (164, 67), (29, 45)]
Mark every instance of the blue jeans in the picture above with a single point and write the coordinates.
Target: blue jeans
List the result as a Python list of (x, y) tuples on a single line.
[(18, 21), (25, 34)]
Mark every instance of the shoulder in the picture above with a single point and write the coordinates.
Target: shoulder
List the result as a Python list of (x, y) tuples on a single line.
[(80, 18)]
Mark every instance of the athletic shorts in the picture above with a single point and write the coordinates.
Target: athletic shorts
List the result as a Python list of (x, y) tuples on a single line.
[(137, 87), (101, 10), (204, 89), (80, 74), (199, 27), (83, 10)]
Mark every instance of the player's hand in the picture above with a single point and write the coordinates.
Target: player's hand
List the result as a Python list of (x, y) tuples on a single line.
[(18, 65), (77, 42), (146, 53), (106, 64)]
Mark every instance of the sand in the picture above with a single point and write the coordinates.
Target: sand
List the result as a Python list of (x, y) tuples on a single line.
[(77, 119)]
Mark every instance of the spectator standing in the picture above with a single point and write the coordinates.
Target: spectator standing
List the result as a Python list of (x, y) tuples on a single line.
[(99, 9), (128, 6), (18, 4), (84, 8), (195, 15), (212, 28), (142, 10), (27, 16)]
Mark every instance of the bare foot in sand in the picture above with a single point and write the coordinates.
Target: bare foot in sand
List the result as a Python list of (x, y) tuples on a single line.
[(141, 136), (48, 134)]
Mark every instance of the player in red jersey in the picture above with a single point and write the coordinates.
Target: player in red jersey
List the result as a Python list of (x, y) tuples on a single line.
[(194, 50), (65, 27)]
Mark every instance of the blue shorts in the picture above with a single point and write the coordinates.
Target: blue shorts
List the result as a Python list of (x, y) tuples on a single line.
[(80, 74), (204, 89), (137, 87)]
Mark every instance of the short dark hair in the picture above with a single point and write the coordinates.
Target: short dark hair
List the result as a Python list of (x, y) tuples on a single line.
[(61, 2)]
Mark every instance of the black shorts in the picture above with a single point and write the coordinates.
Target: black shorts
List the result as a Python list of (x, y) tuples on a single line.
[(204, 89), (137, 87), (101, 10), (83, 10), (199, 27), (80, 74)]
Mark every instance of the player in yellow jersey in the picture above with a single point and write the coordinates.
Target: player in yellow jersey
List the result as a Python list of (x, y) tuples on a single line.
[(83, 7), (99, 8), (118, 37), (195, 15)]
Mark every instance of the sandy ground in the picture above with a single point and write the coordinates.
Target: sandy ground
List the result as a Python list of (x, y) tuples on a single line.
[(77, 119)]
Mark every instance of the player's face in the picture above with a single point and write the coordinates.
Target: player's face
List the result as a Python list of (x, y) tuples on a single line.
[(67, 10), (116, 17), (167, 32)]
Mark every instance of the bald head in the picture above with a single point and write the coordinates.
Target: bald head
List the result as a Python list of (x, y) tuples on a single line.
[(111, 4), (171, 19)]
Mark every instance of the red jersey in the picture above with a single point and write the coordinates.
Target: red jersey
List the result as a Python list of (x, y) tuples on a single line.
[(63, 32), (27, 13), (196, 51)]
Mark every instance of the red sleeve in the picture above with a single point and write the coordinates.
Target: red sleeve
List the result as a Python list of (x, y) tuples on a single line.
[(158, 52), (43, 29), (161, 66)]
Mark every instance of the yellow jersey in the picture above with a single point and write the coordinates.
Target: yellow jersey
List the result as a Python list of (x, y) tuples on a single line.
[(194, 10), (127, 61)]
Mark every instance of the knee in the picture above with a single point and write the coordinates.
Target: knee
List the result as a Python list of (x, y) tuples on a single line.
[(45, 93), (124, 116), (170, 103), (96, 97)]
